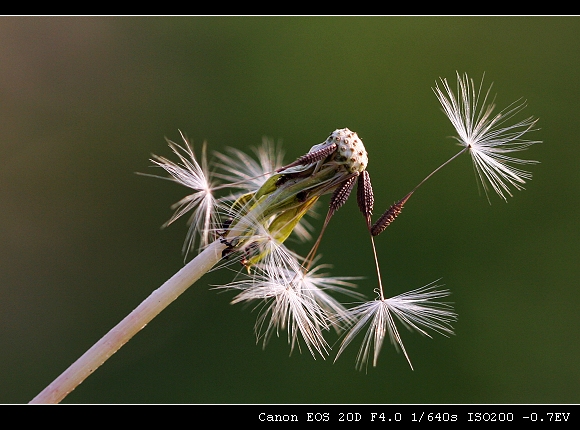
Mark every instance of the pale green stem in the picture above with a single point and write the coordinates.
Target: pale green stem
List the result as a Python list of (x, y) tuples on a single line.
[(130, 325)]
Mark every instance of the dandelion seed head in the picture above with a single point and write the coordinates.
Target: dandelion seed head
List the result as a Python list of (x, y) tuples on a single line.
[(267, 201), (350, 150)]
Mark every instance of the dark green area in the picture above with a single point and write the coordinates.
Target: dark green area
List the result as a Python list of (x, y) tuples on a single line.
[(84, 101)]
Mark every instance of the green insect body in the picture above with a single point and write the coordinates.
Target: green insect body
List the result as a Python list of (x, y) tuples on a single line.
[(330, 167)]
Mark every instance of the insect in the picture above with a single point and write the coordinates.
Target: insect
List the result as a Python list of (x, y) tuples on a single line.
[(344, 148), (340, 161)]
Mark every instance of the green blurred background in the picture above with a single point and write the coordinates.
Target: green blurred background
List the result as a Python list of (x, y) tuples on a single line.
[(84, 101)]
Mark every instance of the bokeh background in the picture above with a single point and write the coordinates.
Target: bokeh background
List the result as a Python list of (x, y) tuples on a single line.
[(84, 101)]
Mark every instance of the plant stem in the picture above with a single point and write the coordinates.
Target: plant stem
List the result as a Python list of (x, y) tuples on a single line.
[(130, 325)]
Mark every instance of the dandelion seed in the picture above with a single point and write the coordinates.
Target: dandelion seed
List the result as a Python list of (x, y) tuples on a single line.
[(316, 284), (417, 310), (295, 313), (289, 299), (365, 197), (283, 306), (389, 216), (488, 138), (201, 203), (240, 170)]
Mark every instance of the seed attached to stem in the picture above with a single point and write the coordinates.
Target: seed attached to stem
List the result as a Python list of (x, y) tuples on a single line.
[(311, 157), (365, 197), (389, 216), (340, 196)]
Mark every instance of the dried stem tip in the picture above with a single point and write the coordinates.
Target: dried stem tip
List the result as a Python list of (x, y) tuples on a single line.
[(389, 216)]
